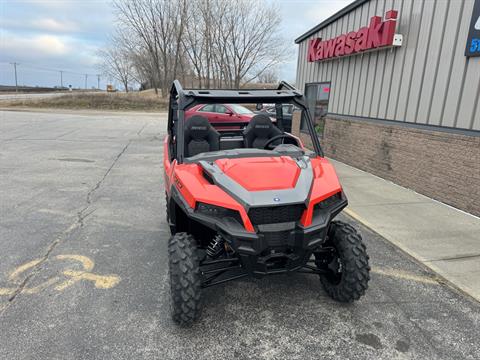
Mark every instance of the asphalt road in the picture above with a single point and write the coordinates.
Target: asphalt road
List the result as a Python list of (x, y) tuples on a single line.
[(83, 266)]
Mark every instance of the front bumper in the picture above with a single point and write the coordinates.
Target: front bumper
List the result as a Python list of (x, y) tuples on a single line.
[(285, 245), (283, 236)]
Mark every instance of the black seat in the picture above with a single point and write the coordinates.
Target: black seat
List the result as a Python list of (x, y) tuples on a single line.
[(200, 136), (259, 130)]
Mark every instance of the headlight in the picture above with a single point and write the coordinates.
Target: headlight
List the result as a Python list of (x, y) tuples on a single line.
[(218, 212), (329, 201)]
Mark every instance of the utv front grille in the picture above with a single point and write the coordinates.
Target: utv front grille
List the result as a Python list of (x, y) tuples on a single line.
[(276, 239), (275, 214)]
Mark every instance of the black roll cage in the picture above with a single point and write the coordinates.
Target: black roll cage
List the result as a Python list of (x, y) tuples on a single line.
[(183, 99)]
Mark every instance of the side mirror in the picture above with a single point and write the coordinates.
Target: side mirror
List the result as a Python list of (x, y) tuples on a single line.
[(229, 112), (259, 107)]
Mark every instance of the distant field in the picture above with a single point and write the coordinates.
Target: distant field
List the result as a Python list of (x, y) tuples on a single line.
[(146, 101)]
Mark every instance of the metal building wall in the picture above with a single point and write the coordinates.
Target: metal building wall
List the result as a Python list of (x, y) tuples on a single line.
[(427, 81)]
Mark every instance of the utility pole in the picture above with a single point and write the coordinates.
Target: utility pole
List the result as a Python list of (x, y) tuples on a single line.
[(98, 81), (15, 68), (61, 79), (86, 79)]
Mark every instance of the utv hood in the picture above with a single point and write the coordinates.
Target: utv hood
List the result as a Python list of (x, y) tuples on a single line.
[(260, 174), (263, 181)]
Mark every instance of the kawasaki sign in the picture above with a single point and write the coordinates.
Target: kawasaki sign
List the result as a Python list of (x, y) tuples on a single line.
[(377, 35)]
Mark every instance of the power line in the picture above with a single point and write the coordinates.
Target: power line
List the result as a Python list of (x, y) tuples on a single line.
[(36, 67), (59, 71)]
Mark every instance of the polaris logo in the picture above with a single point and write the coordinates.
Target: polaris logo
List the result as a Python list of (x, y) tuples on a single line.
[(262, 127), (378, 34), (198, 128)]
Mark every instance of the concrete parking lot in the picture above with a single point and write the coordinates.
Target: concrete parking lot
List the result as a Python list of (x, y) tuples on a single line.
[(83, 266)]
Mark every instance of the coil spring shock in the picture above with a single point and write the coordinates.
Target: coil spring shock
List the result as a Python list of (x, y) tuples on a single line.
[(216, 247)]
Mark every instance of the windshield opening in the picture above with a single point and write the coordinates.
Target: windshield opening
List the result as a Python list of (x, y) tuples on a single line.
[(240, 132)]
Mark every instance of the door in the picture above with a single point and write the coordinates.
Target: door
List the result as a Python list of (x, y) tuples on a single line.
[(317, 95), (223, 114)]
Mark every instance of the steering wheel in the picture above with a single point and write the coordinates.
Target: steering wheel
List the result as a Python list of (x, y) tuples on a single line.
[(268, 144)]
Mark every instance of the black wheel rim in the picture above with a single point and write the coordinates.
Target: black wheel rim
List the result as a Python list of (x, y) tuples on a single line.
[(331, 263)]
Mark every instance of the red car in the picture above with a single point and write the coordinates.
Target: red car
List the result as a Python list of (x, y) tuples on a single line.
[(221, 113)]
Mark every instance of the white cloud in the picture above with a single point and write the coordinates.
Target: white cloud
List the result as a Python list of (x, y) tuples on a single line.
[(84, 18), (323, 10), (299, 16), (65, 34), (34, 47), (53, 25)]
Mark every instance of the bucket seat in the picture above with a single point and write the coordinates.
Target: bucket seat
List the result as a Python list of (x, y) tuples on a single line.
[(259, 130), (200, 136)]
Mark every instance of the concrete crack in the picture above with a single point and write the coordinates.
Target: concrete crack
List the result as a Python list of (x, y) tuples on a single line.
[(140, 131), (81, 216), (99, 183)]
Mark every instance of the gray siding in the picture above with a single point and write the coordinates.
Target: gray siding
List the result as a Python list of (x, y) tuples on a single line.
[(427, 81)]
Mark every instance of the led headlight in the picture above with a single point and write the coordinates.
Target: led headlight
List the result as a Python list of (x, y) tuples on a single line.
[(218, 212), (329, 201)]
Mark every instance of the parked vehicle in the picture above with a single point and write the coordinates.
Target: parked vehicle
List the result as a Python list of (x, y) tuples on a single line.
[(222, 113), (264, 207)]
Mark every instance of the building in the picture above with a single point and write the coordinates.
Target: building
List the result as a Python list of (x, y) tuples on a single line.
[(394, 87)]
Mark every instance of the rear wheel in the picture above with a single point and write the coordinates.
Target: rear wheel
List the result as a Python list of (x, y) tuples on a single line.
[(346, 266), (185, 281)]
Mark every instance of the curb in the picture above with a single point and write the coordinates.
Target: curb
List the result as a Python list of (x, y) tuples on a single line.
[(441, 279)]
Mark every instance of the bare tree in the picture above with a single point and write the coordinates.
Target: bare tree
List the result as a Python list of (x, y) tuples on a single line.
[(194, 41), (269, 76), (145, 72), (221, 43), (160, 26), (253, 41), (117, 64)]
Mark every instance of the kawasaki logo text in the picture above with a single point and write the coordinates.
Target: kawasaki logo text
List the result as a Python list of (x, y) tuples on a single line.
[(378, 34)]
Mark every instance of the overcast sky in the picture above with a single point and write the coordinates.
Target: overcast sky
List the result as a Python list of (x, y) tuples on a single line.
[(65, 35)]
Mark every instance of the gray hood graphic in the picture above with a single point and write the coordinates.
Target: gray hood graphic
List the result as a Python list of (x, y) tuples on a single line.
[(299, 194)]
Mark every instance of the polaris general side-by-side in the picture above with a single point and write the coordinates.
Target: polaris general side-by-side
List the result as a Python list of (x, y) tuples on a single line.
[(252, 201)]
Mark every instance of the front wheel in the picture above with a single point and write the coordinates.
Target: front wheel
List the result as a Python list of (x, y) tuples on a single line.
[(346, 266), (185, 280)]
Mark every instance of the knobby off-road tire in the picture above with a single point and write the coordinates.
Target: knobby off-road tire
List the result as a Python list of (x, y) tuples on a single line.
[(185, 281), (352, 253)]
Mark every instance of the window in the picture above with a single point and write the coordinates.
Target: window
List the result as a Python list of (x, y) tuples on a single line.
[(317, 95), (220, 109), (208, 108), (287, 109), (239, 109)]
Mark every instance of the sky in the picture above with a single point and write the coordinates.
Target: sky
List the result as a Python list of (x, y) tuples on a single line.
[(46, 36)]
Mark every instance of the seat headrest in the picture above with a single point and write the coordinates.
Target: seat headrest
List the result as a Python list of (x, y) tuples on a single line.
[(198, 127), (261, 125)]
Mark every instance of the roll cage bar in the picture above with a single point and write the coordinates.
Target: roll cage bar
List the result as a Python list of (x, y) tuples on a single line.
[(183, 99)]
